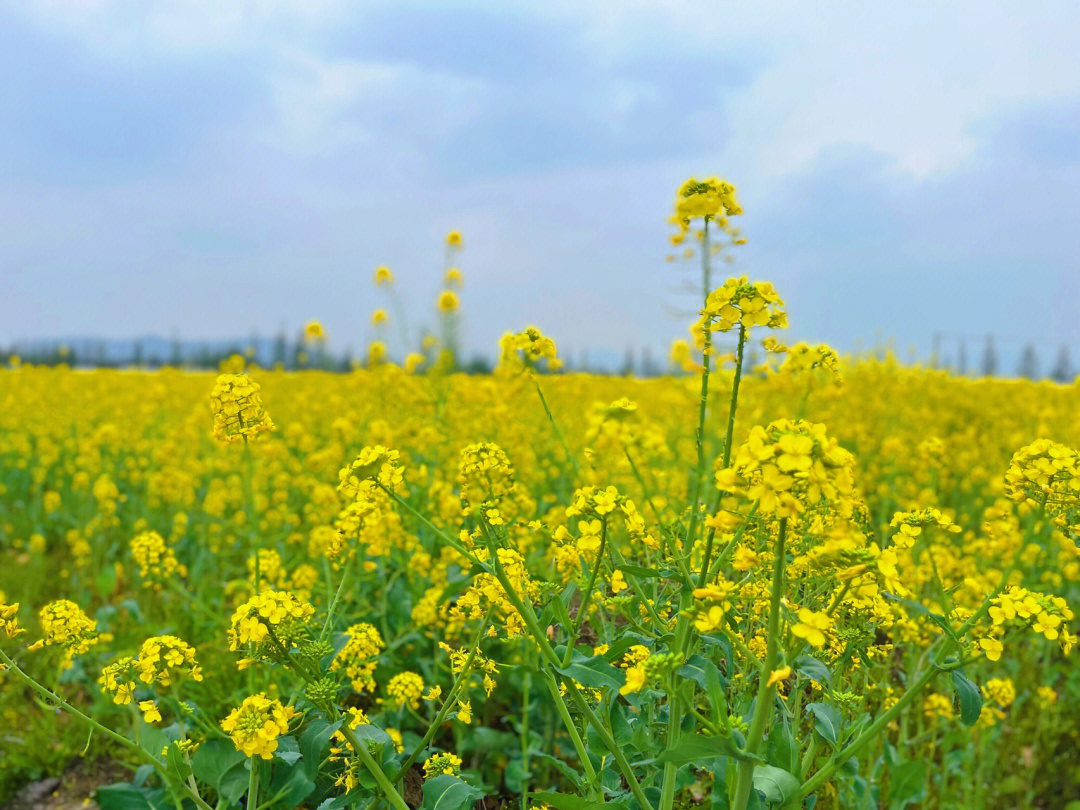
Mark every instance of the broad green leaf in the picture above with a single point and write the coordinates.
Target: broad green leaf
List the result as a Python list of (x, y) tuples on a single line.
[(563, 768), (447, 792), (695, 748), (827, 722), (594, 673), (813, 669), (969, 696), (290, 786), (568, 801), (313, 743), (908, 784), (125, 796), (776, 784), (218, 764)]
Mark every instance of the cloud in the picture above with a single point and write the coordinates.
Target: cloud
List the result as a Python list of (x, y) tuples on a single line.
[(904, 169)]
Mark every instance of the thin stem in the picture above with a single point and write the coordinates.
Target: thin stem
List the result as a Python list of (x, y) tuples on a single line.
[(555, 427), (571, 728), (763, 703), (253, 783), (732, 405), (583, 611)]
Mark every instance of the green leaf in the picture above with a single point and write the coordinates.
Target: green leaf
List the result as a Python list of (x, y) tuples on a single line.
[(217, 763), (969, 696), (594, 673), (776, 784), (124, 796), (700, 670), (908, 784), (814, 669), (564, 769), (827, 722), (719, 786), (782, 751), (695, 748), (568, 801), (290, 786), (447, 792), (313, 743), (288, 750)]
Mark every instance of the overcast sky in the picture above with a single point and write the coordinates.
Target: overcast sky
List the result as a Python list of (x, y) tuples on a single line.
[(213, 168)]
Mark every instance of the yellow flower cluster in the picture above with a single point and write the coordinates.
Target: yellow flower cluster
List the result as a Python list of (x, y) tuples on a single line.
[(359, 657), (486, 592), (740, 303), (238, 409), (787, 467), (1046, 615), (911, 525), (525, 349), (276, 617), (161, 660), (9, 619), (709, 198), (1045, 474), (480, 663), (256, 724), (802, 358), (442, 764), (66, 626), (485, 475), (405, 689), (155, 558), (375, 463)]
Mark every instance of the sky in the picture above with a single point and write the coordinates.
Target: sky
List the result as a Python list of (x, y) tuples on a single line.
[(208, 169)]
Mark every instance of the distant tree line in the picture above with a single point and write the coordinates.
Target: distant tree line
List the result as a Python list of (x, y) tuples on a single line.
[(951, 351)]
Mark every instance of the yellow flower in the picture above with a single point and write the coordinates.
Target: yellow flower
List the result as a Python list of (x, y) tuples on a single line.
[(811, 626), (256, 724), (150, 711), (992, 648), (383, 275), (448, 301), (453, 239), (464, 713), (778, 675), (313, 331)]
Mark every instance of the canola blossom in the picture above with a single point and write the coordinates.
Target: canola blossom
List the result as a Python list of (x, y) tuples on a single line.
[(811, 580)]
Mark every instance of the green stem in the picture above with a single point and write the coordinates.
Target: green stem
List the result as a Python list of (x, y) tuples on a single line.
[(583, 611), (763, 703), (555, 427), (374, 768), (571, 728), (732, 405), (253, 783), (609, 742)]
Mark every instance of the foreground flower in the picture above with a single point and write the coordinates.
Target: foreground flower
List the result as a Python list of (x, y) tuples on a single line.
[(256, 724)]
